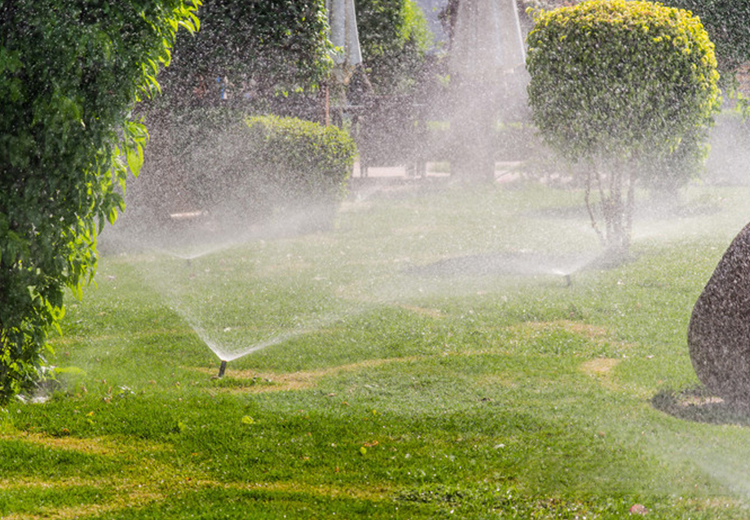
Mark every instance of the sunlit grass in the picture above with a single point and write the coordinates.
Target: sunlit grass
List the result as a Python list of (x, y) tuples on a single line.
[(390, 388)]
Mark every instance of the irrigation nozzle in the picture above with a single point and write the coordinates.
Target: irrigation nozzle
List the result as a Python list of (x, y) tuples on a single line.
[(222, 368)]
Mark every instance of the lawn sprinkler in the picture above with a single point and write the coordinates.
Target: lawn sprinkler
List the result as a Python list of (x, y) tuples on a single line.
[(222, 368)]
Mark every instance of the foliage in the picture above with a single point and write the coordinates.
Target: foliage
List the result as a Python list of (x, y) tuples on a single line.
[(211, 160), (300, 165), (247, 170), (70, 71), (665, 174), (259, 48), (394, 37), (726, 24), (247, 57), (620, 85)]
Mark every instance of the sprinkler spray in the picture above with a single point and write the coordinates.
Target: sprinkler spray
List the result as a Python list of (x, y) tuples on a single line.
[(222, 368)]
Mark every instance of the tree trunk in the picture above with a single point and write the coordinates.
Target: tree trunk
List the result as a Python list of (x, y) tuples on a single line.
[(616, 201)]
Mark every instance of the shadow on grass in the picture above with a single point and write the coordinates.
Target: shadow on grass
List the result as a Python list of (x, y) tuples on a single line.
[(696, 404), (523, 263)]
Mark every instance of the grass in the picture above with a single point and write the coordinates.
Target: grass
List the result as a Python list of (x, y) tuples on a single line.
[(387, 389)]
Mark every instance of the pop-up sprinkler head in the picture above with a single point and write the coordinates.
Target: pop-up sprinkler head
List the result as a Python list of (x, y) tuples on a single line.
[(222, 368), (568, 280)]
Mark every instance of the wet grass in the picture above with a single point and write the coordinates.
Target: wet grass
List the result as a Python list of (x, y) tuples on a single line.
[(382, 394)]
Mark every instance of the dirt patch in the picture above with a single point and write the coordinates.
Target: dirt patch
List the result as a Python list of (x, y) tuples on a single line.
[(599, 366), (374, 493), (591, 332), (698, 405), (600, 336), (29, 483), (601, 369), (432, 313), (95, 446), (301, 380)]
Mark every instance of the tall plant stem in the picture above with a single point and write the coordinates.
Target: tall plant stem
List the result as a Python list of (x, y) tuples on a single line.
[(588, 203)]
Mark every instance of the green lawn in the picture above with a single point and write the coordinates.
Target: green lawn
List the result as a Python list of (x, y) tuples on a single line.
[(427, 358)]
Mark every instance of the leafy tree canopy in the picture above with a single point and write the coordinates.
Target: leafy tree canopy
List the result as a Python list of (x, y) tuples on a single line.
[(727, 24), (70, 73), (264, 47), (394, 36), (619, 78)]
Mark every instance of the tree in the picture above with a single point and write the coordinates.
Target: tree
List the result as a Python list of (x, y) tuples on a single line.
[(726, 24), (395, 37), (70, 73), (260, 48), (619, 85)]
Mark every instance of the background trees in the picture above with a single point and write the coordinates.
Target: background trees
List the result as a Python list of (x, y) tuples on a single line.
[(277, 47), (620, 85), (726, 22), (250, 48), (70, 72), (247, 58), (257, 58), (395, 37)]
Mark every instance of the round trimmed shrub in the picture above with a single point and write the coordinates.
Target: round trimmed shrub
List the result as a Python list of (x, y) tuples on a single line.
[(619, 77), (621, 84)]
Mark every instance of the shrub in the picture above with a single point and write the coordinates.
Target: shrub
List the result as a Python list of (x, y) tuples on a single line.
[(267, 167), (302, 166), (70, 72), (620, 84), (240, 171)]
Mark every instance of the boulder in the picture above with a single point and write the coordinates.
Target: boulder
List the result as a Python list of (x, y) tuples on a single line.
[(719, 330)]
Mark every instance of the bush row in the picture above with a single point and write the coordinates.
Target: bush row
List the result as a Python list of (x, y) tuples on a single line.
[(294, 168), (244, 171)]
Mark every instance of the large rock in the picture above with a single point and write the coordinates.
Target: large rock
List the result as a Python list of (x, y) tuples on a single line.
[(719, 331)]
